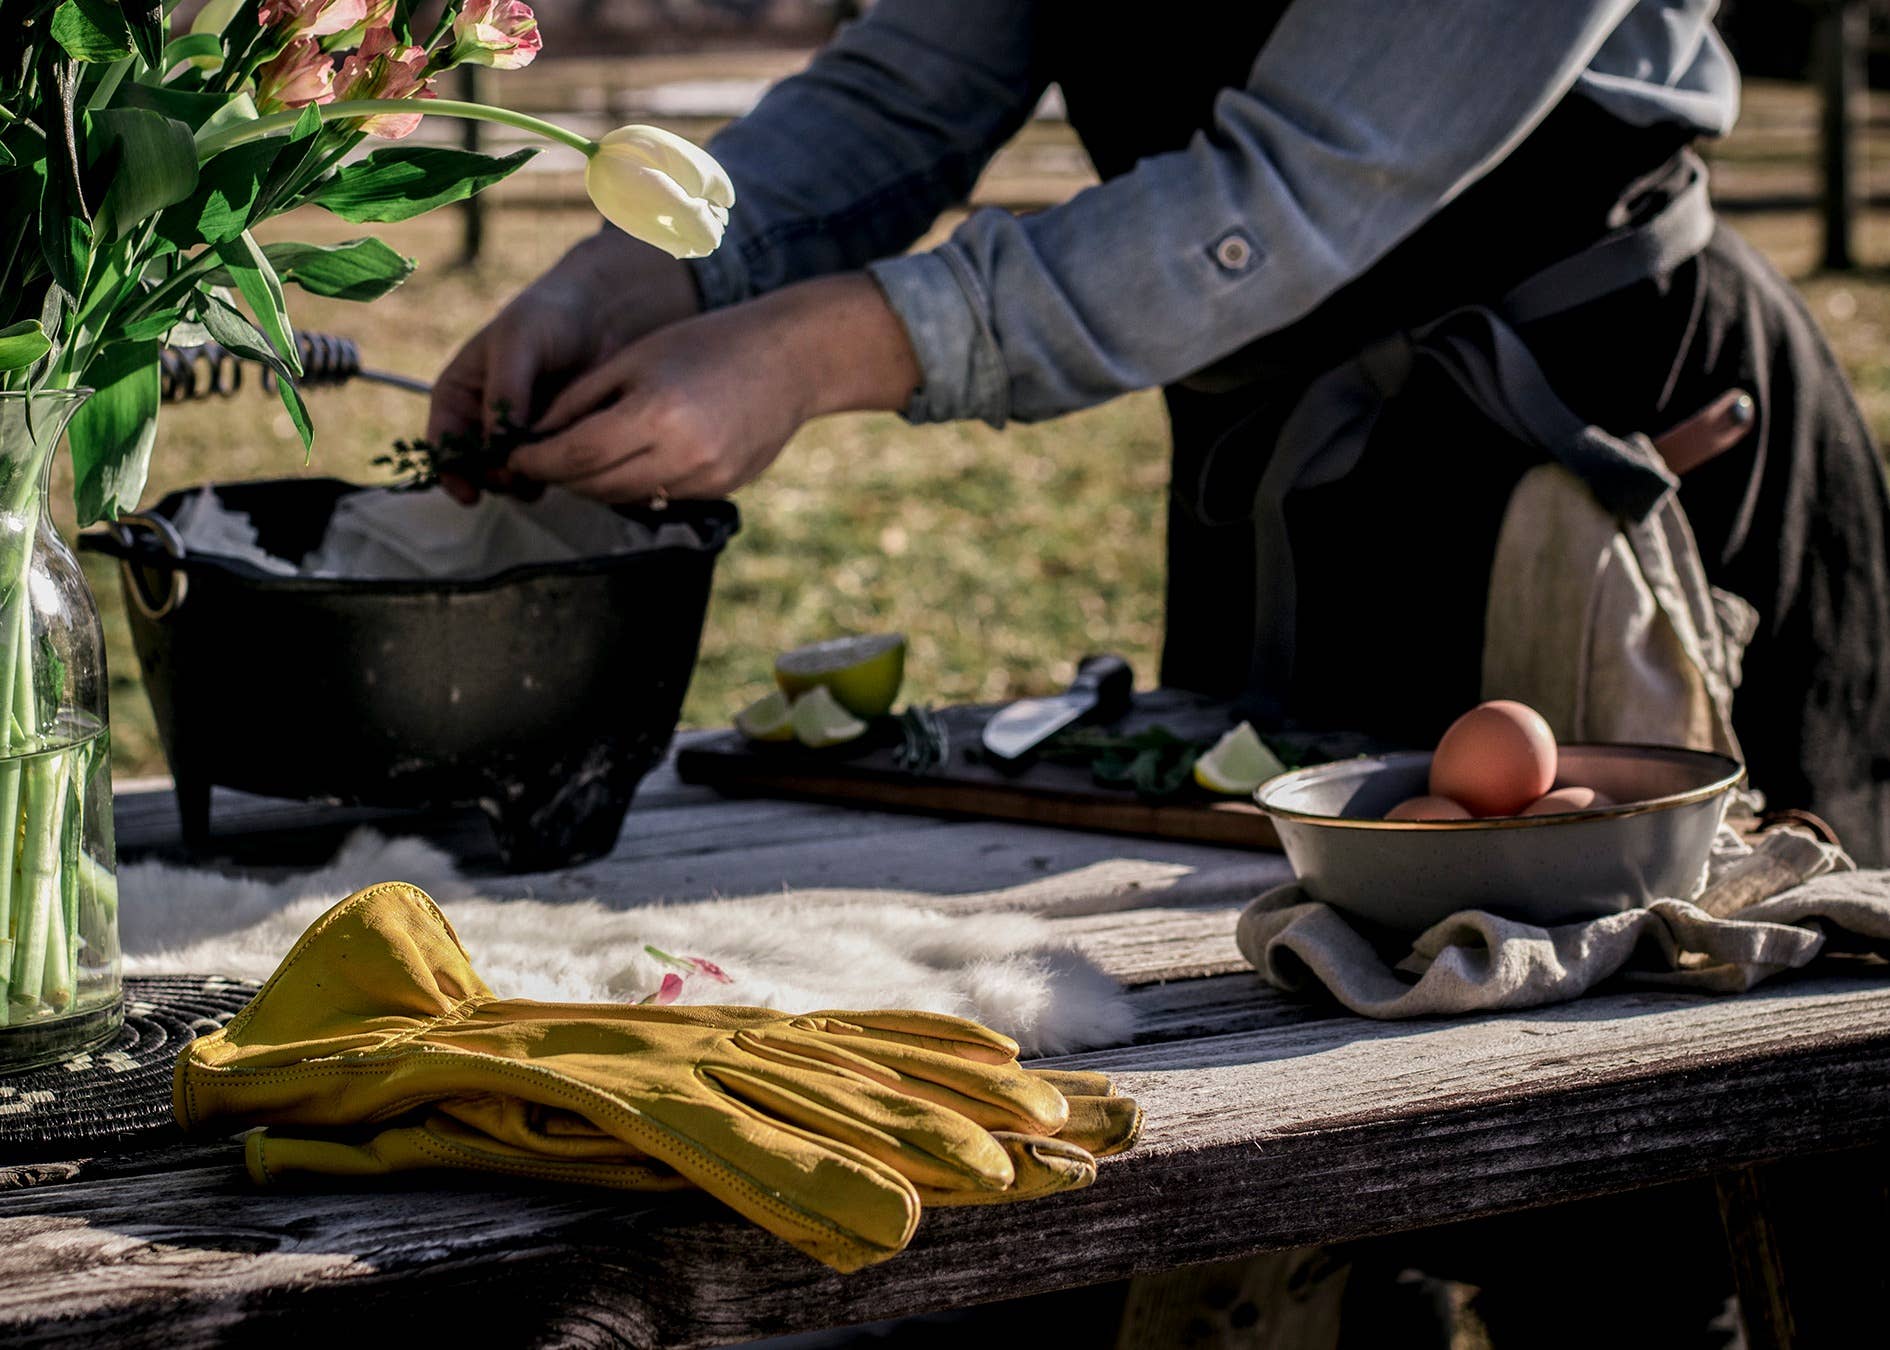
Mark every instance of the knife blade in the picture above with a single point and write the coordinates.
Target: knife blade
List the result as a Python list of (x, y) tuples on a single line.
[(1102, 690)]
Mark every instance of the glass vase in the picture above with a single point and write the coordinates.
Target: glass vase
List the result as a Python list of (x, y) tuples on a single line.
[(59, 979)]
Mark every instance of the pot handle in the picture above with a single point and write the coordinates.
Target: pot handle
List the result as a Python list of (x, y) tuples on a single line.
[(138, 584)]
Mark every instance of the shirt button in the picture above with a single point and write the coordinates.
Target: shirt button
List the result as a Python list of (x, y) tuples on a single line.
[(1233, 251)]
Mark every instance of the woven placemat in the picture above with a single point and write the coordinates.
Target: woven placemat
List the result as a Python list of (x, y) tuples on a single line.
[(117, 1095)]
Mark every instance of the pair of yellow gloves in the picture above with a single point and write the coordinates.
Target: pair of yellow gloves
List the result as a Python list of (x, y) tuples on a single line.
[(830, 1130)]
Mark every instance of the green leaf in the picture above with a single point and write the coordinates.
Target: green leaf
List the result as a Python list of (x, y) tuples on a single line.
[(23, 343), (298, 413), (230, 327), (91, 30), (158, 325), (226, 325), (227, 191), (190, 47), (193, 110), (262, 289), (145, 19), (361, 269), (410, 180), (112, 434), (155, 166)]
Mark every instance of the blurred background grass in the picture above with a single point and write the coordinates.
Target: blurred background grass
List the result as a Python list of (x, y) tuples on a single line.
[(1003, 555)]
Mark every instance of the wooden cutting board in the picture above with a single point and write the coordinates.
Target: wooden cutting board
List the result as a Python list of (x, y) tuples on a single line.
[(1043, 794)]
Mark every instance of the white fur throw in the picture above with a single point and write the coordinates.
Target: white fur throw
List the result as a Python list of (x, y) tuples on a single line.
[(798, 953)]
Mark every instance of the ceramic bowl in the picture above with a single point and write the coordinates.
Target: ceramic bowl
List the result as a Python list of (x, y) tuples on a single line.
[(1549, 869)]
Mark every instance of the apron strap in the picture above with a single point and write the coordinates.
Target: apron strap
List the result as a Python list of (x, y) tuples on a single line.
[(1478, 349)]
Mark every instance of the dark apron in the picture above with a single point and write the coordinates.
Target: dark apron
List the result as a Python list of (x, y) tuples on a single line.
[(1391, 559)]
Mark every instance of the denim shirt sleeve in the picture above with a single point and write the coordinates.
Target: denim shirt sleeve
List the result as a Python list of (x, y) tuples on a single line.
[(1360, 120), (856, 157)]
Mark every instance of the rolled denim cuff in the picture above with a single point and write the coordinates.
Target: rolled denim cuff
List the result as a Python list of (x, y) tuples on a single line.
[(938, 299), (722, 277)]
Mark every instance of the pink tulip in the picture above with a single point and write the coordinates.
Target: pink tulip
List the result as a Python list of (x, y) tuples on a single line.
[(312, 18), (302, 74), (384, 69), (502, 34)]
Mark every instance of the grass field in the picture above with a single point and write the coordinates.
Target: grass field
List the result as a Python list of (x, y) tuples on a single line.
[(1004, 556)]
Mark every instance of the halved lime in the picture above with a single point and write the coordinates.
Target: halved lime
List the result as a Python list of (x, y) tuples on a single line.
[(768, 718), (864, 673), (819, 721), (1238, 763)]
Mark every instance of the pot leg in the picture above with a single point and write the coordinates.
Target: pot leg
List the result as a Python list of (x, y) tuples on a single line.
[(548, 826), (193, 812)]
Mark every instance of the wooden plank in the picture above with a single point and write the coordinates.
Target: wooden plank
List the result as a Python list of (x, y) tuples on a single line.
[(1047, 793), (950, 865), (1282, 1137)]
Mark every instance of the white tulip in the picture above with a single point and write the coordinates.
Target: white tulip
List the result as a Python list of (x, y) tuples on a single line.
[(660, 188)]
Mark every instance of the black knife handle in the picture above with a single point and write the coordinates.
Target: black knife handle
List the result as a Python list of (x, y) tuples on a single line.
[(1110, 679)]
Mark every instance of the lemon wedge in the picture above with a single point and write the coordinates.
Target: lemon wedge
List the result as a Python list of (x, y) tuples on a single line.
[(768, 718), (1238, 763), (819, 720), (864, 673)]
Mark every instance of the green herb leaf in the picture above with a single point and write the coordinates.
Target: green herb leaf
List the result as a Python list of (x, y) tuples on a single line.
[(410, 180), (262, 289), (112, 434), (192, 109), (91, 30), (153, 165), (23, 343)]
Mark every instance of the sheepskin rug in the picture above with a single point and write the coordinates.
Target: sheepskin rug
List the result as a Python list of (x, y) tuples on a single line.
[(794, 952)]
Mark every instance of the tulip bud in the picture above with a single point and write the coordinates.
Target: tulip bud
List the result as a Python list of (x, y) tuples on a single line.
[(502, 34), (300, 75), (659, 188)]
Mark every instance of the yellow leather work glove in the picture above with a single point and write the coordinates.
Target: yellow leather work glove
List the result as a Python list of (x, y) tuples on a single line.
[(506, 1137), (819, 1127)]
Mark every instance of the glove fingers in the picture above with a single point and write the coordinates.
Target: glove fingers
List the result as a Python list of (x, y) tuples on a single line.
[(939, 1032), (1103, 1125), (996, 1096), (837, 1203), (440, 1143), (544, 1132), (1041, 1165), (1076, 1082), (922, 1142)]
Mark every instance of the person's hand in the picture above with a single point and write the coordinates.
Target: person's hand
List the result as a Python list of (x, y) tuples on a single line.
[(605, 293), (698, 408)]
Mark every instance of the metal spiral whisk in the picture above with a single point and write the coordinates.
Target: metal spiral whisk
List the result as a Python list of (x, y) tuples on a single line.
[(213, 371)]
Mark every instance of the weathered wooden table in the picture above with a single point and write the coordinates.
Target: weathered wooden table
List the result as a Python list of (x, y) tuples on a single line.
[(1270, 1124)]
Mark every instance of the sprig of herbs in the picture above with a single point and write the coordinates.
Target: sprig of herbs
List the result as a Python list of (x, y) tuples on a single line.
[(477, 458)]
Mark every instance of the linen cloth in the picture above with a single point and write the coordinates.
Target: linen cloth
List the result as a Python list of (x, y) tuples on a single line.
[(1767, 907), (426, 536)]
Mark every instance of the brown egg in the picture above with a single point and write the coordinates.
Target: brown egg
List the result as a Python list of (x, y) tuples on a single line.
[(1427, 808), (1566, 799), (1496, 759)]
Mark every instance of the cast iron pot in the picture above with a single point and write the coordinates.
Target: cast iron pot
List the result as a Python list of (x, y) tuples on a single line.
[(542, 694)]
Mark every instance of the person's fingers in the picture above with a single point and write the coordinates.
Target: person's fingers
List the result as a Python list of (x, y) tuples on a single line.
[(459, 489), (585, 395), (457, 404), (587, 448), (513, 365)]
